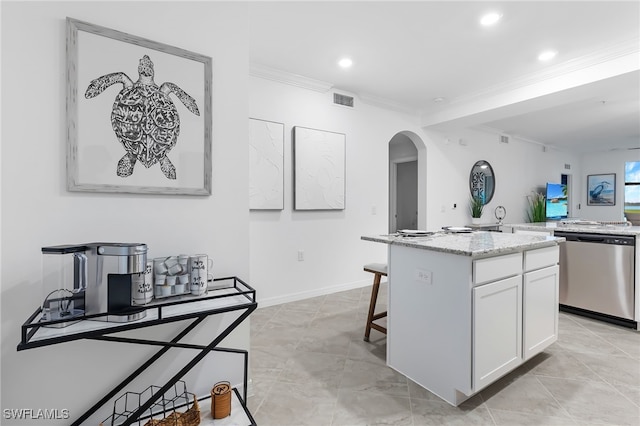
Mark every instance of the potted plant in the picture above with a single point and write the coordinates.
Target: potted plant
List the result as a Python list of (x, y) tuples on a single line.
[(536, 212), (475, 207)]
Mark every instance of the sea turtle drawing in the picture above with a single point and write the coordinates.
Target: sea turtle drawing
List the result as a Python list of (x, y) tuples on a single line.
[(144, 118)]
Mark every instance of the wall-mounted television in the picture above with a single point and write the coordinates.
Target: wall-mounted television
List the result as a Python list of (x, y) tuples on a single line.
[(557, 206)]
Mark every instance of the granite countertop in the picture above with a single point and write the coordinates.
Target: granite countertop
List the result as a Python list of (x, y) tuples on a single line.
[(474, 244), (578, 227)]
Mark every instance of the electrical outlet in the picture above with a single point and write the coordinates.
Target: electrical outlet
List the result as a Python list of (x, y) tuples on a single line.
[(300, 255), (424, 276), (374, 210)]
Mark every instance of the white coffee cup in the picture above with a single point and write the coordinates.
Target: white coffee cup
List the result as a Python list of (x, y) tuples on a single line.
[(160, 279), (200, 267), (183, 279), (159, 266), (171, 260), (164, 290), (171, 279), (175, 269)]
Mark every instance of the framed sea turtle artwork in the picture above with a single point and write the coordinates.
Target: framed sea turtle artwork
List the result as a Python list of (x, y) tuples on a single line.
[(138, 114)]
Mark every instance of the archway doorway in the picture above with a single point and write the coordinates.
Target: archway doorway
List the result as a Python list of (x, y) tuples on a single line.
[(407, 180)]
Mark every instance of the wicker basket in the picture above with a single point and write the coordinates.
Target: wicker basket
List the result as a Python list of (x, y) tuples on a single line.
[(191, 417)]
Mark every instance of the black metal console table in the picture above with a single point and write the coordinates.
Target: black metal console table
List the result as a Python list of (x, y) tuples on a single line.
[(235, 295)]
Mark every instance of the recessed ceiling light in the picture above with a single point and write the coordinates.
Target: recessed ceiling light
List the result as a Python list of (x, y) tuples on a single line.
[(490, 18), (345, 62), (438, 99), (547, 55)]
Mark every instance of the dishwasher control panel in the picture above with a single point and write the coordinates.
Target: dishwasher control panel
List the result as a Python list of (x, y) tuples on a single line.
[(620, 241)]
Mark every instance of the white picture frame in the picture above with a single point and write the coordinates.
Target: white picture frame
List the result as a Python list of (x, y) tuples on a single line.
[(319, 169), (266, 165), (102, 64)]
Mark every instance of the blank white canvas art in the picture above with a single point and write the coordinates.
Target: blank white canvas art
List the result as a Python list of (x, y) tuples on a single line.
[(319, 158), (266, 165)]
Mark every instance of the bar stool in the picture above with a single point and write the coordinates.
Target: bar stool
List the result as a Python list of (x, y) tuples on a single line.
[(378, 269)]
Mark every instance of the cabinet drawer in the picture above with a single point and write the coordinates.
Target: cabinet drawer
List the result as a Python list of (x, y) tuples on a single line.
[(541, 258), (495, 268)]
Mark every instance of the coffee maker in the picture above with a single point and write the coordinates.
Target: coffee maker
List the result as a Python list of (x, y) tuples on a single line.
[(64, 281), (103, 277)]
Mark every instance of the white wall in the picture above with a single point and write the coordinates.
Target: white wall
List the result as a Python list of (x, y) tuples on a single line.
[(37, 210), (606, 162), (520, 167), (333, 251)]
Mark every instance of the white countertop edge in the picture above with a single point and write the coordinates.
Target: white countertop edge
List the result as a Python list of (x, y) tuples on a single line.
[(593, 229)]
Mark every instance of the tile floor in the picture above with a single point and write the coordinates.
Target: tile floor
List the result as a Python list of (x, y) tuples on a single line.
[(310, 366)]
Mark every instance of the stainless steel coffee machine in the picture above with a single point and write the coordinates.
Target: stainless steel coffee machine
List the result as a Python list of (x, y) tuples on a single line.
[(103, 277), (64, 281)]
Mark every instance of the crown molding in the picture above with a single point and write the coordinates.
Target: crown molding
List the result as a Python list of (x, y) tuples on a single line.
[(387, 104), (494, 130), (262, 71), (603, 55), (268, 73)]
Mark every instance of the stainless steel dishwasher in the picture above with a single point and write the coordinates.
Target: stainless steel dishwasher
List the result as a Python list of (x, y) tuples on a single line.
[(597, 273)]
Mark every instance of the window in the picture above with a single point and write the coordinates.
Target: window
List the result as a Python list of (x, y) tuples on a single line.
[(632, 191)]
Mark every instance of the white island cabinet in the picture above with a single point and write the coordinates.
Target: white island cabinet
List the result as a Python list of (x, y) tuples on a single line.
[(465, 309)]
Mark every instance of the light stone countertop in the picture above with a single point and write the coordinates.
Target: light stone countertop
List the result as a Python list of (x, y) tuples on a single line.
[(577, 227), (474, 244)]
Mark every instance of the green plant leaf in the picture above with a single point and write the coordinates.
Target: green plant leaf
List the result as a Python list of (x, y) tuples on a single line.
[(537, 208), (476, 206)]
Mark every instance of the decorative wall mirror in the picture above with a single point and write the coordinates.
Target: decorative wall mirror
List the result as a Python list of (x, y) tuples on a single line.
[(482, 181)]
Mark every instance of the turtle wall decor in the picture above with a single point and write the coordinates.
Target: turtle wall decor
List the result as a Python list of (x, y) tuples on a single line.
[(144, 118)]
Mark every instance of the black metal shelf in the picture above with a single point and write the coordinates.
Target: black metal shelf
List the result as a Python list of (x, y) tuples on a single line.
[(177, 399), (234, 295), (237, 295)]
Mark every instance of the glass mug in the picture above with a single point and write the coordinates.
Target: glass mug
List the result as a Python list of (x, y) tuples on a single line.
[(142, 286), (200, 267)]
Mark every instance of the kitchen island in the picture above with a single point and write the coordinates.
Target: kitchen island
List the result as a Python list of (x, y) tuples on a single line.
[(465, 309)]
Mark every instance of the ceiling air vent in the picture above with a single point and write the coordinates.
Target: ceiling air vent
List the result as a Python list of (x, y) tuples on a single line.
[(567, 166), (504, 139), (343, 100)]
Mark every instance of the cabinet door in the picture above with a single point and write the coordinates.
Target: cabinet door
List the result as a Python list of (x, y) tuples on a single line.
[(497, 330), (540, 305)]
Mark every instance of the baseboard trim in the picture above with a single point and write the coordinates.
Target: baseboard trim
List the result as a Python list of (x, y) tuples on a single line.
[(294, 297)]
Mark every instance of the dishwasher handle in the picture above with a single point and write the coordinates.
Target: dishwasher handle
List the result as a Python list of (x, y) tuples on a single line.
[(590, 239)]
